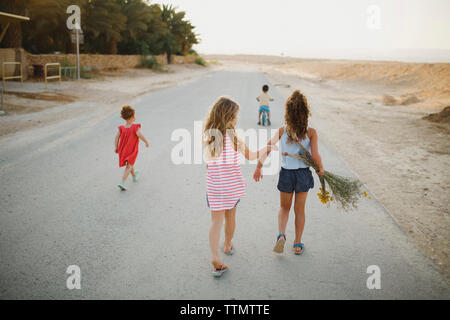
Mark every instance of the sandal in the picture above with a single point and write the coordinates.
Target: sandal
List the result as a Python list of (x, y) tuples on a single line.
[(230, 252), (219, 272), (279, 246), (299, 245)]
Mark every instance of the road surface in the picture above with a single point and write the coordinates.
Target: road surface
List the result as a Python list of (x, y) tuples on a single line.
[(60, 206)]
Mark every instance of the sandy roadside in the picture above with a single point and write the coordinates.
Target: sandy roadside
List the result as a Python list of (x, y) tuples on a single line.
[(402, 158), (33, 105)]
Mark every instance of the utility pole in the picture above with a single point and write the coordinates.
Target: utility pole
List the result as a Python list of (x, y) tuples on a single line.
[(77, 31), (74, 24)]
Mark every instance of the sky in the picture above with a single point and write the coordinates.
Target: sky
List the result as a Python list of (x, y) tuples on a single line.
[(409, 30)]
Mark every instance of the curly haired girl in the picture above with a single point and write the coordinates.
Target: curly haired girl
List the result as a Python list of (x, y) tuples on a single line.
[(127, 144), (224, 182), (295, 176)]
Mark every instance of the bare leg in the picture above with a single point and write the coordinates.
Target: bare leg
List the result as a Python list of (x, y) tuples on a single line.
[(132, 172), (217, 218), (299, 209), (230, 226), (283, 213), (128, 169)]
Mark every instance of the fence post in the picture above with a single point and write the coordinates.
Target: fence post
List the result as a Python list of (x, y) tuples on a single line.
[(52, 77), (1, 109), (4, 78)]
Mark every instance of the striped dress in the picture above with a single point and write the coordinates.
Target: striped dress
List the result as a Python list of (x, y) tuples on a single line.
[(224, 182)]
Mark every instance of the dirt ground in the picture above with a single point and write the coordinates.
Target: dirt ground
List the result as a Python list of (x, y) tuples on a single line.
[(399, 150)]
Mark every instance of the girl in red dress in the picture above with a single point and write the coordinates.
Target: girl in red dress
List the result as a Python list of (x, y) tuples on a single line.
[(127, 144)]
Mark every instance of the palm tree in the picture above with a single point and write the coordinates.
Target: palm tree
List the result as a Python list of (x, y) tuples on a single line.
[(172, 21), (47, 29), (137, 25), (138, 15), (187, 37), (103, 24)]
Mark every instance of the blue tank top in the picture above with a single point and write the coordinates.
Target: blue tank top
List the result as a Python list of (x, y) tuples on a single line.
[(293, 148)]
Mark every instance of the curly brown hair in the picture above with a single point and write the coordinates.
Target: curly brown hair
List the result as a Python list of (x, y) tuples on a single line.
[(220, 118), (296, 116), (127, 112)]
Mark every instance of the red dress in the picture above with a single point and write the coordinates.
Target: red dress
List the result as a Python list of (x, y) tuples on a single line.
[(128, 144)]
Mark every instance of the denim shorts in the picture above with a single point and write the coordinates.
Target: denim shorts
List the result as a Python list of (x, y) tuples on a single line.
[(298, 180)]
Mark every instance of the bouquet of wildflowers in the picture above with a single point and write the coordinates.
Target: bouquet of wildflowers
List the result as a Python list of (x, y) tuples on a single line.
[(344, 190)]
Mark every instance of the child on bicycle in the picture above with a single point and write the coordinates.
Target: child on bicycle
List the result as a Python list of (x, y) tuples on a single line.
[(264, 100)]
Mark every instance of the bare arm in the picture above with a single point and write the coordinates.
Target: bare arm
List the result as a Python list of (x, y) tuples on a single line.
[(116, 142), (252, 155), (315, 150), (141, 136), (272, 142)]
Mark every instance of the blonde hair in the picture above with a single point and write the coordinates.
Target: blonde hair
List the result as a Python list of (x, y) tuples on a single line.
[(296, 116), (219, 122)]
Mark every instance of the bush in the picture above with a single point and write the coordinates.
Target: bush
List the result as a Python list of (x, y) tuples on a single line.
[(151, 62), (200, 61), (86, 73)]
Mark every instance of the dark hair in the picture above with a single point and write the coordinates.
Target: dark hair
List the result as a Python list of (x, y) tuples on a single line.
[(127, 112), (265, 88), (296, 116)]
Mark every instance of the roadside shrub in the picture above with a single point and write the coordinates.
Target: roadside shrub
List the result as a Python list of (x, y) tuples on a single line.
[(200, 61), (151, 62), (86, 73)]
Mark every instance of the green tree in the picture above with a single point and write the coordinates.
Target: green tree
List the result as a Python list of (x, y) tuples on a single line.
[(138, 15), (109, 26), (102, 24), (173, 21), (179, 37), (46, 31)]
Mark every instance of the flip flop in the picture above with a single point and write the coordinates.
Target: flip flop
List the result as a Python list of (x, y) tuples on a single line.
[(219, 272), (230, 252), (279, 246), (299, 245)]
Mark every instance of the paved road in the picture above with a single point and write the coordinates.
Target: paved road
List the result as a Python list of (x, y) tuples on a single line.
[(59, 206)]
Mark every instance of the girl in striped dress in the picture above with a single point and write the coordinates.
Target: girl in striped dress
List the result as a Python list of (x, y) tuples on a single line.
[(224, 182)]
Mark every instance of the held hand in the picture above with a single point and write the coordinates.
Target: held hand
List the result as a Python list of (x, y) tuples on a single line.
[(267, 150), (321, 172), (117, 151), (147, 145), (257, 175)]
